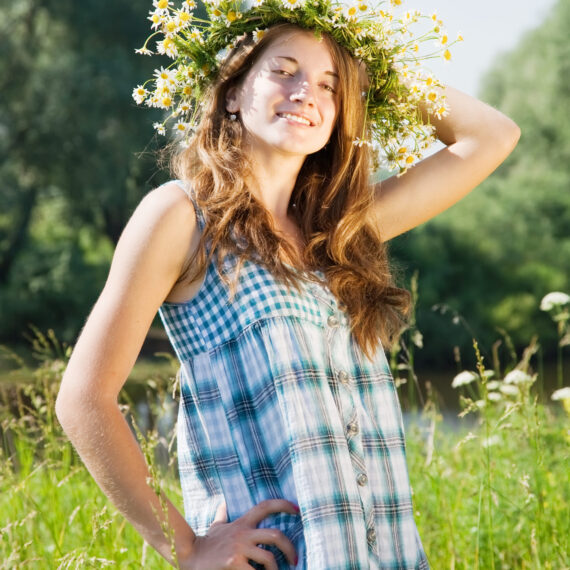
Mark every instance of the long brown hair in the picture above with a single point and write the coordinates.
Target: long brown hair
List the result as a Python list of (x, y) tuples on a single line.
[(329, 202)]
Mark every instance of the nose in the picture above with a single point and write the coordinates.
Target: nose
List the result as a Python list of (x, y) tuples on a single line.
[(303, 93)]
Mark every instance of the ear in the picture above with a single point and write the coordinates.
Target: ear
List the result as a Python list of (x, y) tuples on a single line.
[(232, 100)]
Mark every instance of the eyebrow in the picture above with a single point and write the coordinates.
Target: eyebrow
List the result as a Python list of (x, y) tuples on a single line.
[(293, 60)]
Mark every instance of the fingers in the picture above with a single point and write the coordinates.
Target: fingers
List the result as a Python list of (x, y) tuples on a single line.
[(263, 557), (272, 536), (268, 507)]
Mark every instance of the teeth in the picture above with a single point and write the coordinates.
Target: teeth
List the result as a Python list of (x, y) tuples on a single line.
[(296, 118)]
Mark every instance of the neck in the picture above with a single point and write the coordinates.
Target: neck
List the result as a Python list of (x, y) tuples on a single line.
[(272, 181)]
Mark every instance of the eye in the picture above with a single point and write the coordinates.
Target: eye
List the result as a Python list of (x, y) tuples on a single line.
[(283, 72), (329, 88)]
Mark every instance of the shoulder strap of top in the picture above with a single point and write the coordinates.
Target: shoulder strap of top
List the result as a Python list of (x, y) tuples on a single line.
[(189, 191)]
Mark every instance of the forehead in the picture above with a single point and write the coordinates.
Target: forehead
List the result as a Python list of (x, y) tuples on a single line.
[(303, 47)]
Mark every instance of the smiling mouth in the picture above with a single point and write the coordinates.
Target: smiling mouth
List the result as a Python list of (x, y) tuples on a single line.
[(295, 119)]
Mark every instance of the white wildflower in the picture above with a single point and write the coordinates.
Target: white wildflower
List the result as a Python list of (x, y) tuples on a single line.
[(561, 394), (181, 127), (518, 377), (156, 18), (463, 378), (161, 6), (159, 128), (493, 385), (509, 390), (292, 4), (183, 19), (139, 94), (351, 12), (195, 35), (167, 47), (494, 396), (554, 300), (258, 34)]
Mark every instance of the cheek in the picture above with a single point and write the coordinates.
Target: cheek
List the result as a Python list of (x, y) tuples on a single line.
[(330, 110), (261, 98)]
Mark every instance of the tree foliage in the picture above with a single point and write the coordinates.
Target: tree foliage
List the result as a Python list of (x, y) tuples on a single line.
[(492, 257), (70, 139)]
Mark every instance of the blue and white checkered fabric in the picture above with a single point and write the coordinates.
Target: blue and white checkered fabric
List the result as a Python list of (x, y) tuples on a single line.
[(278, 401)]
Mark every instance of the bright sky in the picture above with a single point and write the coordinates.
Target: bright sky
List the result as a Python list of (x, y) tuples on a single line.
[(489, 27)]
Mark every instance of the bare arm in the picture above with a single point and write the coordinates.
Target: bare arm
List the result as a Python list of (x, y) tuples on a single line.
[(478, 140), (149, 258)]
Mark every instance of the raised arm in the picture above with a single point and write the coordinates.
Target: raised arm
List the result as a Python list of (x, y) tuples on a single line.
[(147, 262), (478, 138)]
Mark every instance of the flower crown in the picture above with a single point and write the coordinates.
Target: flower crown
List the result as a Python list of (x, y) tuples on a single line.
[(378, 37)]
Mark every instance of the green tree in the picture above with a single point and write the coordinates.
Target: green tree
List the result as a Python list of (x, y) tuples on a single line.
[(493, 256), (70, 141)]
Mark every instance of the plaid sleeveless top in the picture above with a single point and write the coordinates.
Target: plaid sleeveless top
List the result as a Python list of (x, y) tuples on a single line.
[(278, 401)]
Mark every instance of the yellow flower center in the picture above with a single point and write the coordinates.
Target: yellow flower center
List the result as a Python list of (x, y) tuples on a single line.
[(444, 39), (187, 90), (410, 159), (402, 150), (447, 54), (432, 96), (171, 26), (231, 16), (351, 11), (216, 13), (166, 101), (163, 4)]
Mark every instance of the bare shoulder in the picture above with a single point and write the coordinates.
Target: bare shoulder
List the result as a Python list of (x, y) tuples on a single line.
[(165, 219), (168, 203), (156, 244)]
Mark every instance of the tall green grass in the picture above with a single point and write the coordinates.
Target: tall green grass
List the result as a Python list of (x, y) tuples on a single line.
[(491, 487), (52, 514)]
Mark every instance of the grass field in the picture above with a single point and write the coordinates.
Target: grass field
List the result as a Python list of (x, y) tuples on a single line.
[(491, 488)]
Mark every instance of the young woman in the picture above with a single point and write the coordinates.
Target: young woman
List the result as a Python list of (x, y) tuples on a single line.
[(267, 262)]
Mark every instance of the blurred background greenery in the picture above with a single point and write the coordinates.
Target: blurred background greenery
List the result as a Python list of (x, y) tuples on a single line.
[(76, 156)]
